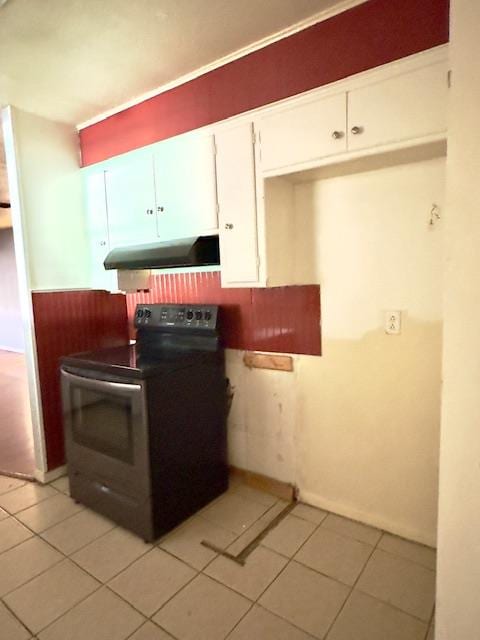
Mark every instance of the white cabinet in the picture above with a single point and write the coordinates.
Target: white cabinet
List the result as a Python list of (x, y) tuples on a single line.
[(186, 200), (394, 109), (237, 204), (304, 132), (404, 107), (131, 200), (97, 225)]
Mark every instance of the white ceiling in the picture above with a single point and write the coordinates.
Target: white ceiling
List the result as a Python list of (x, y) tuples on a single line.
[(70, 60)]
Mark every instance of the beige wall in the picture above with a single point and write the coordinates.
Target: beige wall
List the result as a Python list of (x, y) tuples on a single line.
[(47, 159), (458, 588), (358, 428)]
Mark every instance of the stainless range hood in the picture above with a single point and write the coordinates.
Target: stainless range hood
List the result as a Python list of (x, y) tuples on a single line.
[(200, 251)]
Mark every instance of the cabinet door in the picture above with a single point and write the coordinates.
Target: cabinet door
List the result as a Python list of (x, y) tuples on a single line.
[(131, 200), (237, 204), (403, 107), (303, 133), (186, 200), (97, 226)]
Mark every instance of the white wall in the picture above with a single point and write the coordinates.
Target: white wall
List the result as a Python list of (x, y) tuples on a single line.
[(458, 582), (52, 202), (357, 429), (11, 325)]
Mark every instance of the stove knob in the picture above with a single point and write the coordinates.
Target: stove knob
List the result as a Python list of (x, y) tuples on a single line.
[(198, 315), (207, 316), (189, 315), (140, 313), (148, 313)]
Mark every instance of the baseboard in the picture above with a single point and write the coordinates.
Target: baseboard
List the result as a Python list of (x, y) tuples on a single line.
[(18, 475), (44, 477), (12, 349), (283, 490), (367, 518)]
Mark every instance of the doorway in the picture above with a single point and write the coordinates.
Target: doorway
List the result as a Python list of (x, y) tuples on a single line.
[(16, 437)]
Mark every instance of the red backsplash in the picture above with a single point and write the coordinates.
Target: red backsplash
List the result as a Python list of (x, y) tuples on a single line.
[(366, 36), (69, 322), (284, 319)]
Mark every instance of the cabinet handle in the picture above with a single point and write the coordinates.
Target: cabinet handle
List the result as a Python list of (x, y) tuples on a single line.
[(149, 212), (229, 226), (336, 135), (103, 243), (356, 130), (160, 209)]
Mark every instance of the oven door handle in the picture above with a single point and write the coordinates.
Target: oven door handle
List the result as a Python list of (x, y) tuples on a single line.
[(99, 385)]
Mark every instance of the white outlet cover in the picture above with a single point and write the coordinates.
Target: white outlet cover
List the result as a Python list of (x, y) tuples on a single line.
[(393, 322)]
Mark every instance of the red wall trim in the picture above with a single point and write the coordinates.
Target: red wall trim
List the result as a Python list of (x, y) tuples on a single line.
[(366, 36), (284, 319), (69, 322)]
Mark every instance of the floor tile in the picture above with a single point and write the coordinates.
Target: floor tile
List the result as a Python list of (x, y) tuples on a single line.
[(366, 618), (255, 495), (234, 512), (3, 514), (261, 568), (7, 484), (10, 627), (150, 631), (110, 554), (305, 598), (431, 633), (203, 610), (406, 585), (24, 562), (185, 541), (289, 535), (260, 624), (62, 484), (306, 512), (78, 531), (12, 533), (352, 529), (152, 580), (102, 616), (26, 496), (419, 553), (49, 512), (335, 555), (257, 528), (50, 595)]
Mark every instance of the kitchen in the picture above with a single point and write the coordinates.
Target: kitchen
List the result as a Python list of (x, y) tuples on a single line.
[(286, 425)]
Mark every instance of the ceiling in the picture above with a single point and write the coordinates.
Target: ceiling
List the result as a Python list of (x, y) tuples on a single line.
[(70, 60)]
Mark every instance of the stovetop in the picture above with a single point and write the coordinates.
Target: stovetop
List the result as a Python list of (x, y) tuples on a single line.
[(168, 337)]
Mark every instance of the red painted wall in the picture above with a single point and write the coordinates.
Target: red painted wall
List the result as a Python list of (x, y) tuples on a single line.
[(285, 319), (366, 36), (69, 322)]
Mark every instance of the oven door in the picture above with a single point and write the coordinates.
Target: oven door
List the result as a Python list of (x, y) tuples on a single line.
[(106, 429)]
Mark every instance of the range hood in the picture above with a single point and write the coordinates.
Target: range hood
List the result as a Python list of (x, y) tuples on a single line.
[(200, 251)]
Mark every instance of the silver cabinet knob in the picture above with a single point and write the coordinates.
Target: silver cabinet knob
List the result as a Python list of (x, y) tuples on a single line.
[(149, 212), (160, 209), (229, 226), (356, 130), (103, 243), (336, 135)]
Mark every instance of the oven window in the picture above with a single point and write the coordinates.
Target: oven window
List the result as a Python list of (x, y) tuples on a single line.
[(103, 422)]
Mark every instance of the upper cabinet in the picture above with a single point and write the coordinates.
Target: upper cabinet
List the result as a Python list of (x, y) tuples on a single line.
[(304, 133), (405, 107), (237, 205), (186, 199), (130, 197)]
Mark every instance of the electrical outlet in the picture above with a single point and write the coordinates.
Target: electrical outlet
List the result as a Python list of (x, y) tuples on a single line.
[(393, 322)]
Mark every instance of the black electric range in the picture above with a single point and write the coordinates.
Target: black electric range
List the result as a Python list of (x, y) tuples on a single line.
[(145, 424)]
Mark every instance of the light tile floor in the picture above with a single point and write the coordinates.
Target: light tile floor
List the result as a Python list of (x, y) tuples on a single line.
[(67, 573)]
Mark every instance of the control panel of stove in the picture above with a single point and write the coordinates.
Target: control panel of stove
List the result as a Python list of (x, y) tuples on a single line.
[(181, 316)]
